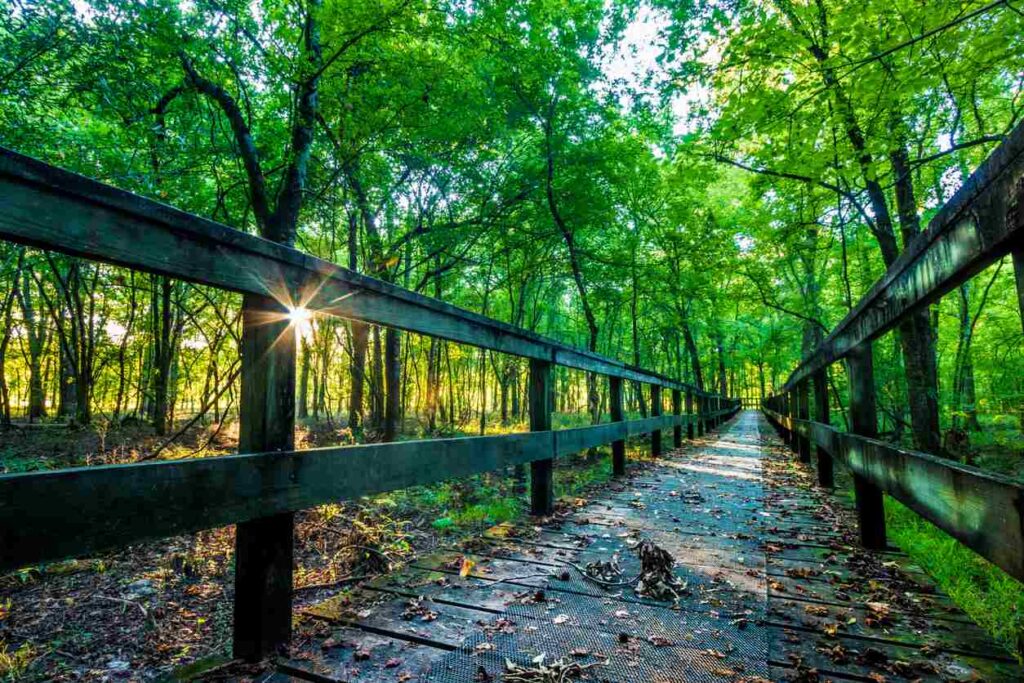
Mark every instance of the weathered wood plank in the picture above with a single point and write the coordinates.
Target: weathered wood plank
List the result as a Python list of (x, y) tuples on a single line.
[(50, 515), (61, 513), (978, 226), (982, 510), (51, 208)]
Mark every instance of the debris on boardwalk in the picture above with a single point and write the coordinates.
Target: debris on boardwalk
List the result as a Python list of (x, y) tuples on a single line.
[(735, 568)]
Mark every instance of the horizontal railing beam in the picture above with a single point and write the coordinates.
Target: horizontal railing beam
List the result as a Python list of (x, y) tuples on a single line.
[(978, 226), (50, 208), (984, 511), (47, 516)]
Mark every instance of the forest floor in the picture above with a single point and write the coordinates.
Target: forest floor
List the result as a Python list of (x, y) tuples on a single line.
[(162, 610)]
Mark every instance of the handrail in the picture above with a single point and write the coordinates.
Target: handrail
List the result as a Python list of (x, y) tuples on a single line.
[(51, 208), (983, 510), (980, 224)]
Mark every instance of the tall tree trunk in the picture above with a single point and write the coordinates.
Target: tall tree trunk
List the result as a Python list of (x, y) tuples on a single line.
[(915, 334), (691, 350), (915, 331), (392, 379), (302, 410), (35, 333)]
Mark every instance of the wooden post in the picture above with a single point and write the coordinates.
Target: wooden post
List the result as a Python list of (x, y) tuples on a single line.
[(864, 421), (264, 546), (615, 408), (701, 406), (794, 410), (689, 413), (677, 409), (542, 500), (803, 412), (821, 414), (783, 409), (655, 412)]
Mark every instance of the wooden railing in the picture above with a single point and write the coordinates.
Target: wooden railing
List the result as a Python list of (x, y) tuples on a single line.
[(71, 512), (981, 224)]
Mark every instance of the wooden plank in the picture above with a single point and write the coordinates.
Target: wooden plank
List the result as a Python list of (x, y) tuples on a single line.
[(50, 208), (264, 546), (71, 512), (982, 510), (50, 515), (977, 227)]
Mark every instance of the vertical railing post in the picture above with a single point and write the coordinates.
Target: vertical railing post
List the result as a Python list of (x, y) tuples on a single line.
[(677, 410), (689, 413), (794, 410), (821, 414), (701, 406), (803, 412), (864, 422), (542, 499), (615, 408), (264, 546), (784, 411), (656, 412)]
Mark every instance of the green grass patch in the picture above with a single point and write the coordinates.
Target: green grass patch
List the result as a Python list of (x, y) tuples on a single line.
[(990, 596)]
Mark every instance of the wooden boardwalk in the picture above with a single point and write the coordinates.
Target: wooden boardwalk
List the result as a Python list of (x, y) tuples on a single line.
[(774, 589)]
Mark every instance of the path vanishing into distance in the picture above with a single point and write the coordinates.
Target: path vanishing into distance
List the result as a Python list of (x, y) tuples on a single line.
[(770, 585)]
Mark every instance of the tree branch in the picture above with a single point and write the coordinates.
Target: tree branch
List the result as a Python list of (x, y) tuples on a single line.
[(243, 138)]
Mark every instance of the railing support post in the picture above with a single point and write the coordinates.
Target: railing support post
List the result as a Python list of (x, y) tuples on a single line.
[(793, 406), (264, 546), (701, 409), (689, 413), (615, 408), (542, 501), (677, 410), (821, 414), (656, 412), (864, 421), (803, 412)]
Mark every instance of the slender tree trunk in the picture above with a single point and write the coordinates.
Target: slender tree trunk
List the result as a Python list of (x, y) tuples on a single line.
[(392, 379)]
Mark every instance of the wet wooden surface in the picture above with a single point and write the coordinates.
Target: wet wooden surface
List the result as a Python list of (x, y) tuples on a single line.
[(775, 590)]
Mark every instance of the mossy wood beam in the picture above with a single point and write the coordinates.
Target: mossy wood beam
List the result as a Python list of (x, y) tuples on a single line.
[(47, 516), (982, 510)]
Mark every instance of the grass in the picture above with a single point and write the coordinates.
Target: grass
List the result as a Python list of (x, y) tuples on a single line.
[(14, 664), (989, 596)]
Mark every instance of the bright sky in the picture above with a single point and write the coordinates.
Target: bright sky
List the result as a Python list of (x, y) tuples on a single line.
[(635, 59)]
